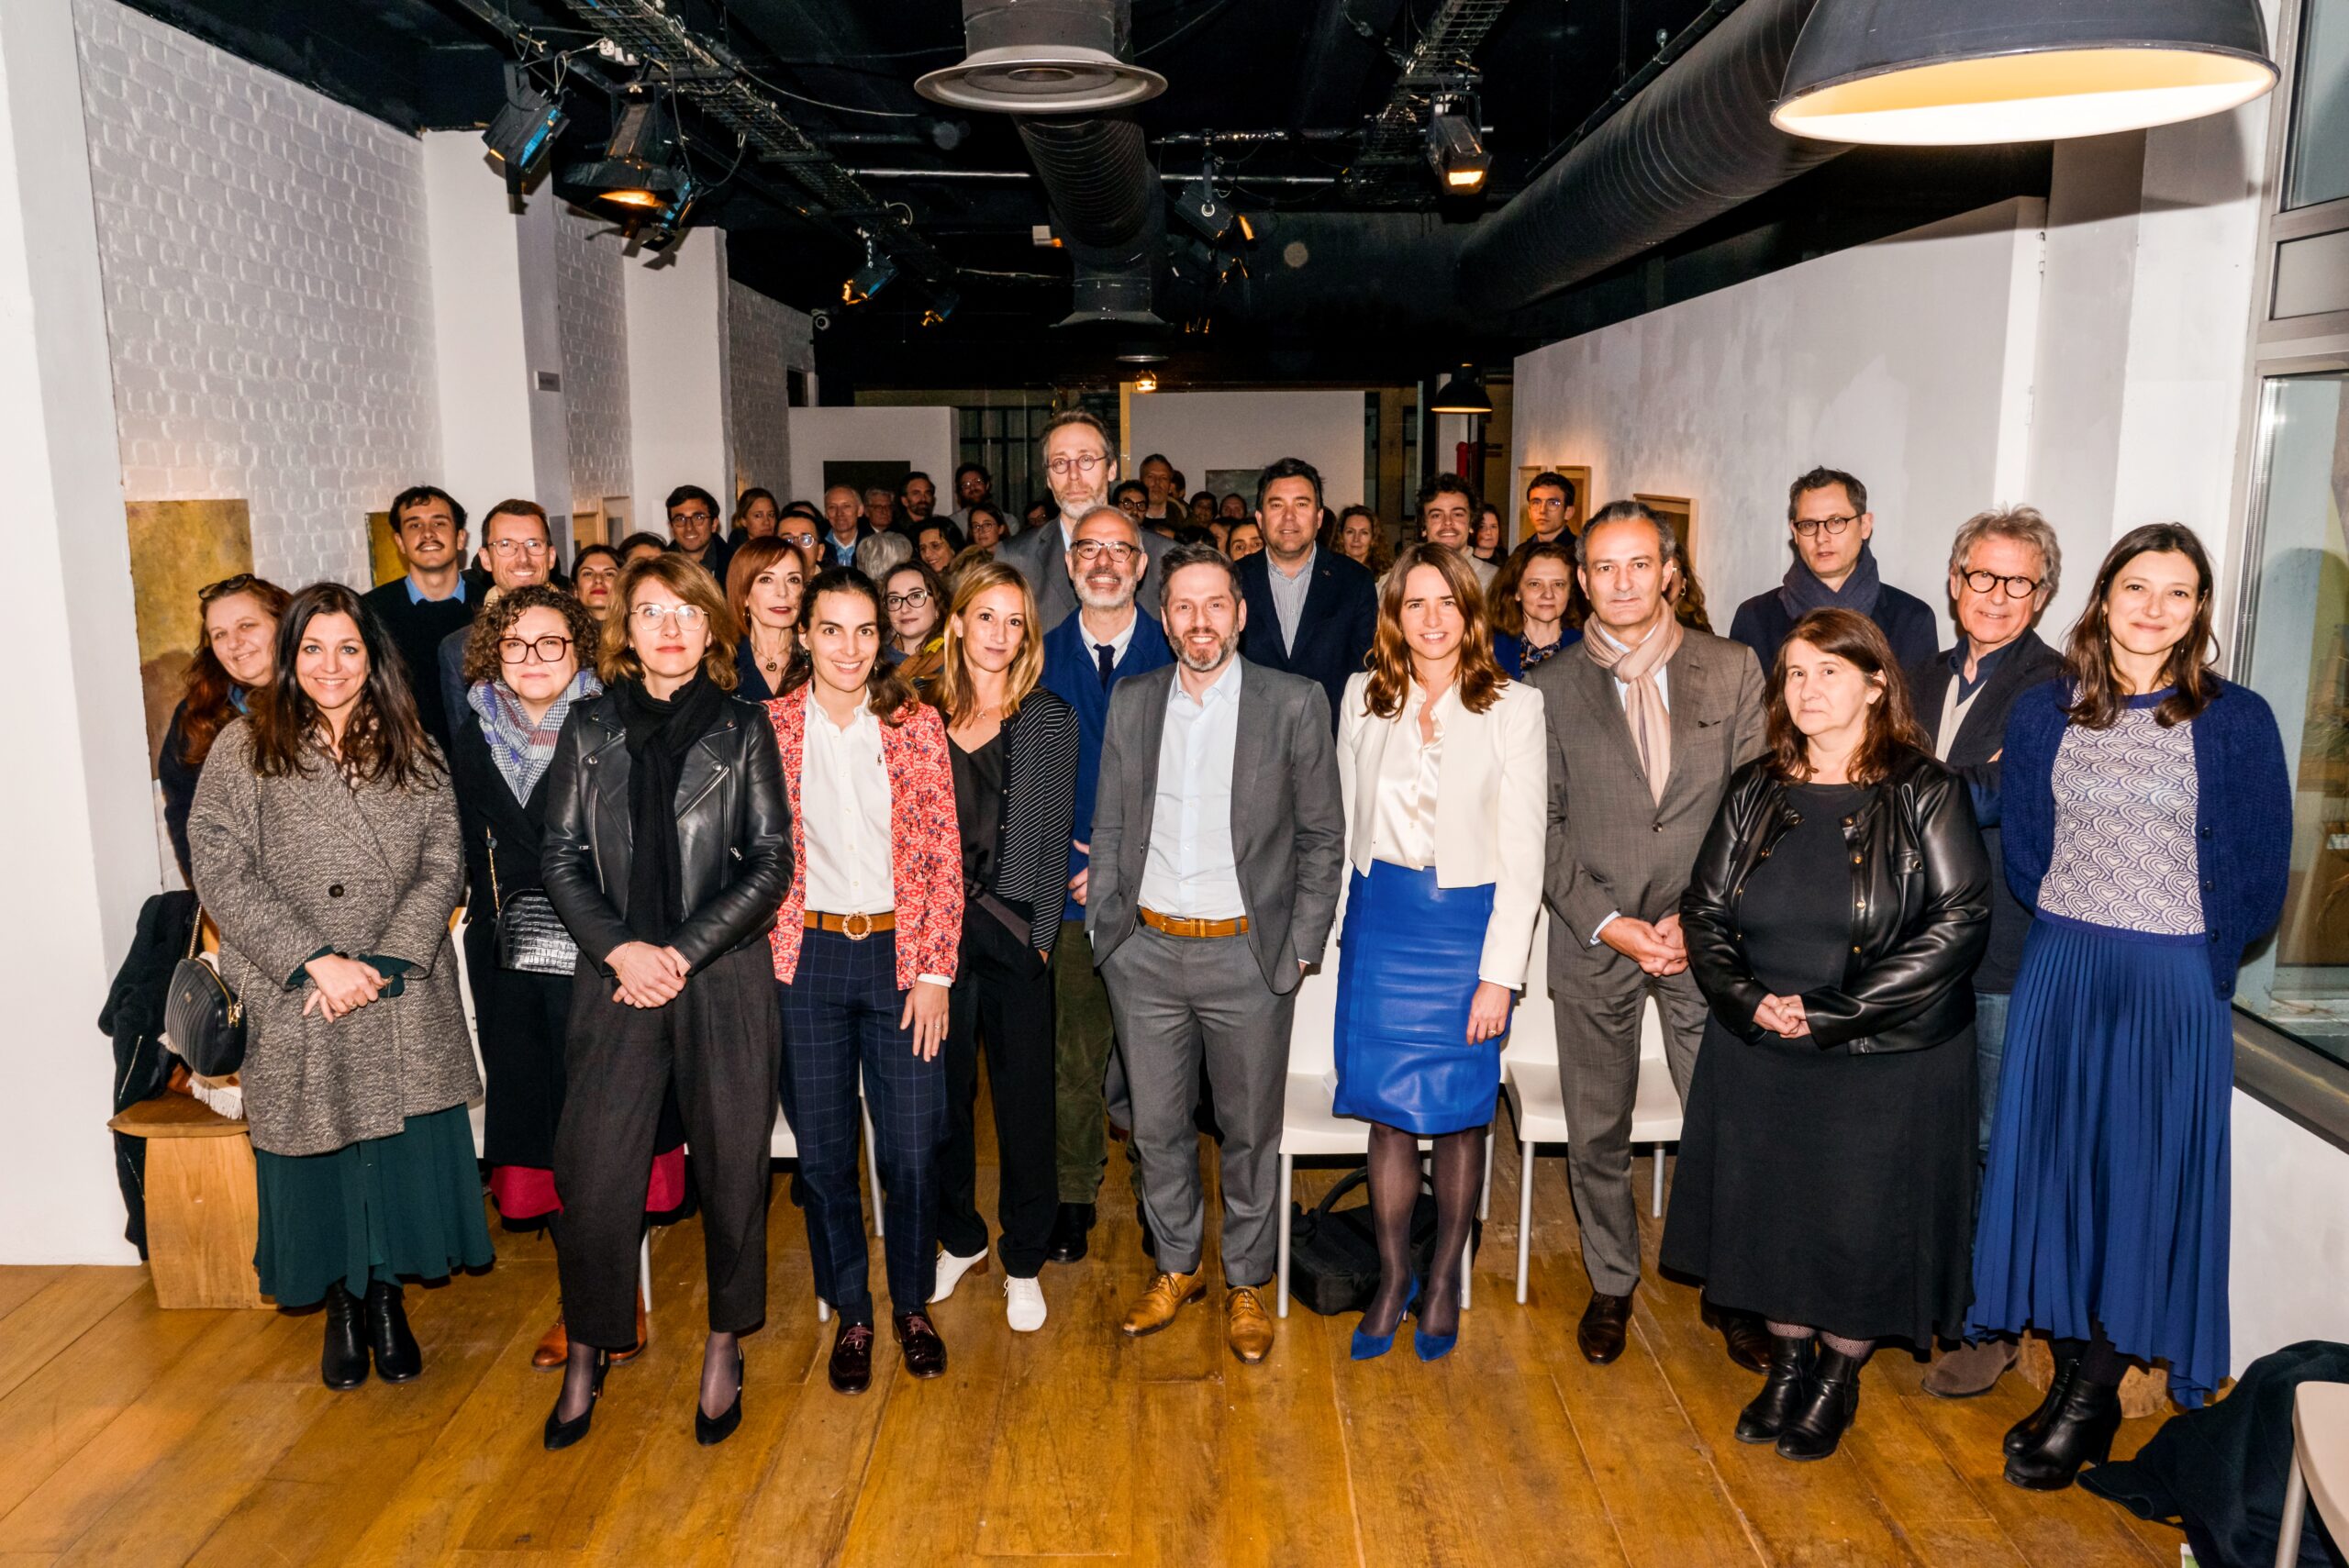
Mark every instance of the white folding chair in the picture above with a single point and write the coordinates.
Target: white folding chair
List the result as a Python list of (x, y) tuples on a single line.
[(2319, 1466), (1536, 1100)]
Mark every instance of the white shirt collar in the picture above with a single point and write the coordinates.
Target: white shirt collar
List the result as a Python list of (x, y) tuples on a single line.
[(1224, 688)]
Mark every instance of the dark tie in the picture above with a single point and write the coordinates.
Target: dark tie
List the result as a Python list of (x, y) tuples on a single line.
[(1108, 657)]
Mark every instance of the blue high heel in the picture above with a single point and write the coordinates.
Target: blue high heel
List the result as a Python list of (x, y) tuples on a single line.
[(1370, 1347), (1434, 1347)]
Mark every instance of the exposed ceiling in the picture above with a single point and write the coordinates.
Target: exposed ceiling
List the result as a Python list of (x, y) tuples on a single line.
[(1348, 279)]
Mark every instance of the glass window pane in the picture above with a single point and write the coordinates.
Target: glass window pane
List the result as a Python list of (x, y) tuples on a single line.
[(2319, 161), (2299, 663)]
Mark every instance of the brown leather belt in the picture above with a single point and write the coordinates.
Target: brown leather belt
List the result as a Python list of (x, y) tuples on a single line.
[(855, 927), (1176, 925)]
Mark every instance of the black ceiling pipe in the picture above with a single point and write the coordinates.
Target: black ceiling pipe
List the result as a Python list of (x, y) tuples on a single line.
[(1695, 143), (1107, 210)]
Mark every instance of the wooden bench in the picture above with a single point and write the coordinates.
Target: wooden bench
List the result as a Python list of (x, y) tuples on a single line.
[(203, 1218)]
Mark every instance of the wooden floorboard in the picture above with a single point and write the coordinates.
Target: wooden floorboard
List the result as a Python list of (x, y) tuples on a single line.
[(130, 1434)]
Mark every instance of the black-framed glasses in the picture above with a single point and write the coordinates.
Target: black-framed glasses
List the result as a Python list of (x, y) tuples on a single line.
[(520, 649), (1085, 551), (1084, 462), (1811, 527), (911, 599), (2013, 587)]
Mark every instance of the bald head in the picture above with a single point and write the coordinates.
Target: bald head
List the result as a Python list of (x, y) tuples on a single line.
[(842, 506), (1106, 560)]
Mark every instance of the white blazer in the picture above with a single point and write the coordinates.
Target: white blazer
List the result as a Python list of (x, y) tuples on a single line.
[(1492, 810)]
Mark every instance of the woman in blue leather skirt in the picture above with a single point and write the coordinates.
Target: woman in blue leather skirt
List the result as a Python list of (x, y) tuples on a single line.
[(1445, 772)]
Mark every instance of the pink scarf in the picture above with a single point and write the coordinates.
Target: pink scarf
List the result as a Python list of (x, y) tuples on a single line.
[(1643, 707)]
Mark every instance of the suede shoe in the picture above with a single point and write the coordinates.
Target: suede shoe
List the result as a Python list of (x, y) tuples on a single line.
[(1969, 1370), (1157, 1306)]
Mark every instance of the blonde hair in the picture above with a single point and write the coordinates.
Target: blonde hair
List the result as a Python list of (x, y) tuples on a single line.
[(952, 691)]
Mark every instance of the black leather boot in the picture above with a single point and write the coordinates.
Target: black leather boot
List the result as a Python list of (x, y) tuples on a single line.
[(1762, 1421), (1830, 1403), (2025, 1433), (343, 1364), (2079, 1431), (397, 1357)]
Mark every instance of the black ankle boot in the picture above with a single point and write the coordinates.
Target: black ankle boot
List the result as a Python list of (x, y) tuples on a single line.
[(2025, 1433), (1830, 1402), (560, 1433), (343, 1364), (2078, 1432), (397, 1357), (1762, 1421)]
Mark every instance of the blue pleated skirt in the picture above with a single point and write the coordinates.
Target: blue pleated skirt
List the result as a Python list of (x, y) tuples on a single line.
[(2106, 1197), (1406, 972)]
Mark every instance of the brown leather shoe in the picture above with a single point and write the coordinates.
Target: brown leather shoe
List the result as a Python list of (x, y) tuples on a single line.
[(1247, 1326), (1748, 1339), (554, 1347), (917, 1343), (1599, 1335), (852, 1364), (1969, 1370), (1157, 1306), (644, 1335)]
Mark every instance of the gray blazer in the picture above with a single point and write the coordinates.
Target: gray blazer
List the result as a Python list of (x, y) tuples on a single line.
[(286, 866), (1040, 555), (1288, 823), (1611, 846)]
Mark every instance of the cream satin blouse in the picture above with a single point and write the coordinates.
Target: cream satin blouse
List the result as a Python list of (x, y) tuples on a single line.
[(1402, 820)]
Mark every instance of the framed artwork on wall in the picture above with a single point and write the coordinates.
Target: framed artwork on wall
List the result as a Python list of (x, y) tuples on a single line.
[(178, 548)]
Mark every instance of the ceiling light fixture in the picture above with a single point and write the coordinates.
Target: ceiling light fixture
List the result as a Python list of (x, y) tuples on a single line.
[(523, 134), (871, 278), (940, 306), (1455, 152), (639, 168), (1942, 74), (1202, 208), (1464, 393), (1043, 57), (1146, 382)]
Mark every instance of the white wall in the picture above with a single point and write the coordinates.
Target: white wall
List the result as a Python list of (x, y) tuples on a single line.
[(676, 373), (923, 437), (765, 340), (591, 309), (267, 290), (1891, 361), (2290, 1278), (483, 367), (1203, 430)]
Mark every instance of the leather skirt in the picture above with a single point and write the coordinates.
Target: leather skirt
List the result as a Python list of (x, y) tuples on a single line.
[(1406, 973)]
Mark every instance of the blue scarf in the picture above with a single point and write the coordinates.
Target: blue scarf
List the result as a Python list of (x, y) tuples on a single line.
[(522, 751), (1803, 592)]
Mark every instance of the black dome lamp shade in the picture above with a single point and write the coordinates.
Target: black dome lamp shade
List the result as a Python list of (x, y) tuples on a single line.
[(1960, 73), (1462, 394)]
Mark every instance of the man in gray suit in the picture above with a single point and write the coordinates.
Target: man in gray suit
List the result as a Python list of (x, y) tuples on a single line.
[(1082, 469), (1647, 720), (1217, 839)]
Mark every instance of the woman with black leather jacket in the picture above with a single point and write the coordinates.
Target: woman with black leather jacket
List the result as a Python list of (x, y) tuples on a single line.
[(1833, 919), (666, 853)]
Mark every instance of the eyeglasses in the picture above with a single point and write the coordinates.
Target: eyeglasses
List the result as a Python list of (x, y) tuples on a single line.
[(1083, 462), (687, 617), (226, 587), (1811, 527), (2013, 587), (912, 599), (1085, 551), (505, 548), (519, 650)]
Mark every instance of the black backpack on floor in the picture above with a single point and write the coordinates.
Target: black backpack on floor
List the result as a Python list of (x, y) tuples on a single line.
[(1333, 1256)]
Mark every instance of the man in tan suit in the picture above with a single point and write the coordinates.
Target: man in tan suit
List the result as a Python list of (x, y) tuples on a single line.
[(1647, 721)]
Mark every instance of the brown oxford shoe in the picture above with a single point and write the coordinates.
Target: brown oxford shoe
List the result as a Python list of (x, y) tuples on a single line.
[(1157, 1306), (919, 1345), (1599, 1335), (554, 1347), (643, 1336), (1247, 1326), (1748, 1341)]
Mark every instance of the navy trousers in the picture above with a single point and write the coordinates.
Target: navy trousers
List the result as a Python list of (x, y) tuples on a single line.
[(840, 1021)]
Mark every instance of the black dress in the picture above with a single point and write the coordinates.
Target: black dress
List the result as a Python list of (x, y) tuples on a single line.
[(1820, 1188)]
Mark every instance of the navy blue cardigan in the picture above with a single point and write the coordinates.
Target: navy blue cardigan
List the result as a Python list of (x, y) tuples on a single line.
[(2242, 812)]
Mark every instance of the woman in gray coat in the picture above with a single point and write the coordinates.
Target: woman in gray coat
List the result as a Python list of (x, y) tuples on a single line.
[(325, 844)]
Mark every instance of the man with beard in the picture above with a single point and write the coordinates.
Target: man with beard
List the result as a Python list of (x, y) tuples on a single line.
[(1082, 470), (1448, 509), (1217, 839), (1086, 656)]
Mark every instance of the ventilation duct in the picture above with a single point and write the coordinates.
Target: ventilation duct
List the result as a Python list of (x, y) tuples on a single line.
[(1043, 57), (1107, 208), (1695, 143)]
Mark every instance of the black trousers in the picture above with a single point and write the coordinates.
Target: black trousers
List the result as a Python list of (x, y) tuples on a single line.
[(720, 1044), (1002, 996)]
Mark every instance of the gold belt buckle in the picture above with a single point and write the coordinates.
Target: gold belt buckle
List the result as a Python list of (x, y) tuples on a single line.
[(856, 928)]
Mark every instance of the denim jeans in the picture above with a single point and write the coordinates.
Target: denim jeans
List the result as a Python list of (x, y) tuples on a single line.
[(1990, 1046)]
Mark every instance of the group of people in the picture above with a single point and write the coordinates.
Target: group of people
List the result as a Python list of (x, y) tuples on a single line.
[(821, 811)]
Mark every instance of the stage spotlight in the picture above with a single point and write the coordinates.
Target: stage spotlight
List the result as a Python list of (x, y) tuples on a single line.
[(1455, 152), (940, 306), (871, 278), (523, 134), (639, 167), (1203, 209)]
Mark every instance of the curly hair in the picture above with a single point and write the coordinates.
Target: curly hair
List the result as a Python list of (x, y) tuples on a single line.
[(496, 618), (1480, 678)]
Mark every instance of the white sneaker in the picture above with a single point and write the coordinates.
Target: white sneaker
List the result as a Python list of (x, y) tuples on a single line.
[(950, 1270), (1023, 1304)]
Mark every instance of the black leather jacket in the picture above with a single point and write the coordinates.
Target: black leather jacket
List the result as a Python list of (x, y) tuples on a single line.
[(1920, 909), (733, 833)]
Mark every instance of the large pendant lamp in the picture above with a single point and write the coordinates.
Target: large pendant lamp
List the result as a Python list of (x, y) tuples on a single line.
[(1951, 73)]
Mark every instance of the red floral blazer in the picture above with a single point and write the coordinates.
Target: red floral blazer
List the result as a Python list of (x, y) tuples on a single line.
[(925, 835)]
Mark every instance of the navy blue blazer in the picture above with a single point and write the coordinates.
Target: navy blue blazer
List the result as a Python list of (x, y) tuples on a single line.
[(2242, 812), (1333, 631), (1072, 674)]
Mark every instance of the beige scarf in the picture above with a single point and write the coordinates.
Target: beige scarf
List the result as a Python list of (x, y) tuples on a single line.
[(1643, 707)]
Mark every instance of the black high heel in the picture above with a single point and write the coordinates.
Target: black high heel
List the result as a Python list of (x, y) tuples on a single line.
[(1769, 1411), (2079, 1432), (1828, 1406), (711, 1430), (560, 1433), (2025, 1433)]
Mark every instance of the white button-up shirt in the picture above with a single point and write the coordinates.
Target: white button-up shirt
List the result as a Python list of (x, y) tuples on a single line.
[(1191, 871), (844, 802)]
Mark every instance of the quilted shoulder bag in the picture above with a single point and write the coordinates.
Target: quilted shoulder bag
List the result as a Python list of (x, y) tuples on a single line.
[(531, 938), (201, 1016)]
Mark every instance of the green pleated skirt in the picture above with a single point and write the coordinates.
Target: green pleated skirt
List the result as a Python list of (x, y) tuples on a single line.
[(378, 1210)]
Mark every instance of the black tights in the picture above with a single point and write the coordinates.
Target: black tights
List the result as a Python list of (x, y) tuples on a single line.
[(2100, 1361), (1394, 1193), (719, 1383)]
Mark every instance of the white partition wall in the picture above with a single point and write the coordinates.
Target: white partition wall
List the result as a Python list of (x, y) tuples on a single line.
[(1203, 431), (923, 438)]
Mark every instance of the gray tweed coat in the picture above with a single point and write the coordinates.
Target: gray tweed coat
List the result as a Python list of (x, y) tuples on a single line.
[(286, 866)]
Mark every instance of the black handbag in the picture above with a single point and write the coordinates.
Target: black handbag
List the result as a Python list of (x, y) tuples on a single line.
[(202, 1017), (531, 938), (1333, 1252)]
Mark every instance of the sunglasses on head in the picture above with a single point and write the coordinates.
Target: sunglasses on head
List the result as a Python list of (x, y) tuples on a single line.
[(227, 586)]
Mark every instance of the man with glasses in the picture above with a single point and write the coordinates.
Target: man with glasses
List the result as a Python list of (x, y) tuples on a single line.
[(432, 601), (1082, 470), (2003, 568), (974, 486), (1549, 512), (693, 531), (520, 548), (1829, 524)]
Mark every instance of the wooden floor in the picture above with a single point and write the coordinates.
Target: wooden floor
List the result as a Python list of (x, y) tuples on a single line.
[(130, 1435)]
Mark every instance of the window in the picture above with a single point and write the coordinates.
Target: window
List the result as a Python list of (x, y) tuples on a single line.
[(2317, 169)]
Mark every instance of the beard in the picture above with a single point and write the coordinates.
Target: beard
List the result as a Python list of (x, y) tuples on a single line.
[(1212, 662), (1096, 598)]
